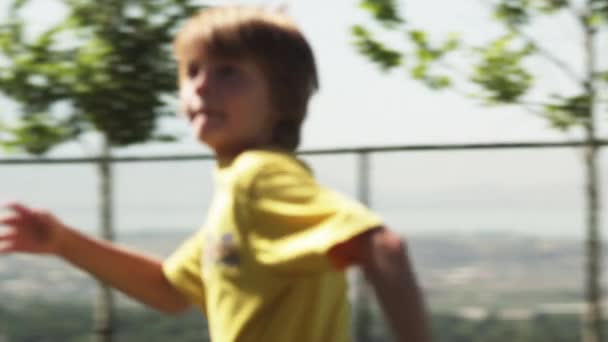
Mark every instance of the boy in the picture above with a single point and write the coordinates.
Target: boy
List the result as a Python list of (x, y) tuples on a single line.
[(268, 264)]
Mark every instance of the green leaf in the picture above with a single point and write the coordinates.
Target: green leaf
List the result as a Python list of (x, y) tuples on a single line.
[(566, 112), (500, 73), (451, 44), (17, 5), (602, 76), (599, 12), (419, 71), (560, 120), (513, 12), (379, 54), (427, 53), (37, 134), (596, 19), (418, 37), (576, 106), (385, 11), (438, 82), (551, 6)]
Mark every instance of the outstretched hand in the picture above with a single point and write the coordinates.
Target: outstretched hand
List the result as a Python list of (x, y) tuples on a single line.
[(29, 230)]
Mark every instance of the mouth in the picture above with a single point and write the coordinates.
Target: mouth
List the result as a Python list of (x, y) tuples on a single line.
[(207, 113)]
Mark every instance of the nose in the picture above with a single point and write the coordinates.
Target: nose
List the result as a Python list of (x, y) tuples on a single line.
[(201, 82)]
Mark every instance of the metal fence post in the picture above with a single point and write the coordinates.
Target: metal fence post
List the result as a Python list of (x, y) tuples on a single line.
[(103, 312), (362, 319)]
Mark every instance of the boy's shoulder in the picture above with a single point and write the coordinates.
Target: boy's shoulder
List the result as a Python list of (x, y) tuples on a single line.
[(264, 161), (254, 168)]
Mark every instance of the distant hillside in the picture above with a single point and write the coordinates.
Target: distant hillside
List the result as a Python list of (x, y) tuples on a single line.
[(490, 271)]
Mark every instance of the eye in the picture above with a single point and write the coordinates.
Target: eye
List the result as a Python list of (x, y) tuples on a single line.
[(228, 72), (192, 70)]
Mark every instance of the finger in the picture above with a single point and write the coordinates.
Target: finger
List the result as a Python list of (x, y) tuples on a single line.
[(8, 236), (10, 221), (26, 214), (7, 204), (20, 209), (4, 203), (6, 248)]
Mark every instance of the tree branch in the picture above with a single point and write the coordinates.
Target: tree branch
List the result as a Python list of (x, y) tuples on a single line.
[(576, 12), (542, 51), (452, 68), (550, 57), (531, 110), (541, 104)]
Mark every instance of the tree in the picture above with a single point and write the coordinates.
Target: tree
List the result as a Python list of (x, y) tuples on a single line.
[(500, 76), (105, 68)]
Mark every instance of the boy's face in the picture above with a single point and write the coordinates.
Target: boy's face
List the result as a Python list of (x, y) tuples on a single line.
[(227, 103)]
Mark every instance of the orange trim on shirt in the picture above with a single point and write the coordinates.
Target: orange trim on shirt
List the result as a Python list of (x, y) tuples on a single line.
[(350, 252)]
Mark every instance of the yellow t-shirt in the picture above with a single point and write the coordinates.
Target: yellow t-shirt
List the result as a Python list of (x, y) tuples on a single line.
[(259, 267)]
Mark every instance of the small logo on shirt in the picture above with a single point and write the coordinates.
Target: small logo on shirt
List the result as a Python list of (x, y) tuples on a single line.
[(223, 250)]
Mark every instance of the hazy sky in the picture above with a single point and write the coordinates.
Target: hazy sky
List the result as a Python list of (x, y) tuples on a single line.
[(538, 192)]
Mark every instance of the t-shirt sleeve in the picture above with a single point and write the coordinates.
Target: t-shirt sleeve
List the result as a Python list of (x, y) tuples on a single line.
[(183, 270), (295, 221)]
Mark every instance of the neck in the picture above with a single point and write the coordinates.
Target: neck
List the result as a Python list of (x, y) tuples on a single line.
[(226, 156), (223, 159)]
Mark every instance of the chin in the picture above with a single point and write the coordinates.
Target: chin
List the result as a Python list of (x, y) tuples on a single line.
[(205, 133), (204, 139), (212, 139)]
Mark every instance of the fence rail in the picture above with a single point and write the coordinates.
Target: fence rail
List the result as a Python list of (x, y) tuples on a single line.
[(355, 150)]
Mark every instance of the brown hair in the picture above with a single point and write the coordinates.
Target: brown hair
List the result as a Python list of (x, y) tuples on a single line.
[(272, 41)]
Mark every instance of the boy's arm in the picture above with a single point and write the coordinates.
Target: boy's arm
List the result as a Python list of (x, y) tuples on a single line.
[(384, 260), (137, 275)]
